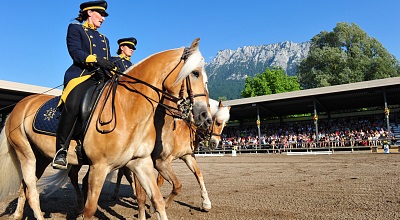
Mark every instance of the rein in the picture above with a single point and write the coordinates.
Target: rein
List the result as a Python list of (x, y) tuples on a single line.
[(185, 105)]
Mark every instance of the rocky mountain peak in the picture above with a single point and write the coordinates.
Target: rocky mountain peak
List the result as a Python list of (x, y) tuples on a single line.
[(236, 65)]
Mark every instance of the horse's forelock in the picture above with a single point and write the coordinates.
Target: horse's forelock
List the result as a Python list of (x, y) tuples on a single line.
[(214, 105), (223, 114), (194, 61)]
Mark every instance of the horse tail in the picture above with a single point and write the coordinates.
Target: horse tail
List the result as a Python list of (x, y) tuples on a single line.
[(10, 172), (52, 183)]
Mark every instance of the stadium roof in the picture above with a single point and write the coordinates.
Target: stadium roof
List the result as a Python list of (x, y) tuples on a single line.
[(12, 92), (333, 98)]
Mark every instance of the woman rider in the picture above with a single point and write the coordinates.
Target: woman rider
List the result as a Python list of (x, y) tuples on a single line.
[(90, 52), (125, 51)]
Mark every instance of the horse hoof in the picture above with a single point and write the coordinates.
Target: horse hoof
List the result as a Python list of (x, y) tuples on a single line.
[(206, 206)]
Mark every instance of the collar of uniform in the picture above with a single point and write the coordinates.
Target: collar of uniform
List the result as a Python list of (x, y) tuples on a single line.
[(90, 26), (122, 56)]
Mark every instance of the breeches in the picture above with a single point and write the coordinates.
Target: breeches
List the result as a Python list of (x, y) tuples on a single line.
[(74, 99)]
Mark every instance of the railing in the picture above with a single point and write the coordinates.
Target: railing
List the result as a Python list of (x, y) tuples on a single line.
[(269, 149)]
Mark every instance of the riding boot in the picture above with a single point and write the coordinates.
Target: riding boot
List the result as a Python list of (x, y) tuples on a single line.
[(64, 134)]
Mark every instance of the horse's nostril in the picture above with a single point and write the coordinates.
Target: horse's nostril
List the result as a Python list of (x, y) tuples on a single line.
[(204, 115)]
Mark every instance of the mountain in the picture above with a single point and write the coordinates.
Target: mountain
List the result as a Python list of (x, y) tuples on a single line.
[(229, 68)]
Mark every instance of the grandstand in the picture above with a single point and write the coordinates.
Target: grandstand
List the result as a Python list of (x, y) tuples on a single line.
[(348, 100), (13, 92)]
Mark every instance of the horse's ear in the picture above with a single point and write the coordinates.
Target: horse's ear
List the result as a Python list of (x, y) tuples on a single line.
[(220, 103), (229, 108), (195, 44)]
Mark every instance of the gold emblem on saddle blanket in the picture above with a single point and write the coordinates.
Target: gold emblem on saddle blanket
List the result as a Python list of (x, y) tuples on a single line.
[(50, 113)]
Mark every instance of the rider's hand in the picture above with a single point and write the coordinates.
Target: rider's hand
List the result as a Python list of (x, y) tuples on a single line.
[(106, 64)]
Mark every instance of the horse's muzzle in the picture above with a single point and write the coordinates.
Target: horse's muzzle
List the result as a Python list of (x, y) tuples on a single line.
[(201, 116), (213, 143)]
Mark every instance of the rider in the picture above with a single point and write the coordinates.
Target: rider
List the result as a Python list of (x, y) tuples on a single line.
[(89, 50), (125, 51)]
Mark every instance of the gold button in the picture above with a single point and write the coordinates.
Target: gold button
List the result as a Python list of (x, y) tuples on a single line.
[(94, 45), (91, 36)]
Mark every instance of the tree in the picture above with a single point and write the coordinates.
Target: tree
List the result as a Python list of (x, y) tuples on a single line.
[(222, 98), (271, 81), (345, 55)]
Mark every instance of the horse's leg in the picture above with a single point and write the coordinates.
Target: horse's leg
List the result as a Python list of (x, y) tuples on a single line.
[(192, 164), (73, 176), (85, 186), (128, 176), (160, 180), (121, 173), (140, 198), (96, 178), (144, 171), (19, 211), (164, 168), (41, 167), (29, 179)]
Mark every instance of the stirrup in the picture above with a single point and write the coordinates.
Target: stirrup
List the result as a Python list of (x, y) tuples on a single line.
[(60, 166)]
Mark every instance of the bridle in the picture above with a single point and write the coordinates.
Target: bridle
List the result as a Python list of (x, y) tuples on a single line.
[(206, 135), (184, 107)]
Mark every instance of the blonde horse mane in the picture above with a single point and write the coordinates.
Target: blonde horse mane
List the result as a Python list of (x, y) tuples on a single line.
[(194, 61), (220, 113)]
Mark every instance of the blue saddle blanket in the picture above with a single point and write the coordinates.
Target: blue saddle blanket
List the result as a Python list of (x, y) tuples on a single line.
[(47, 117)]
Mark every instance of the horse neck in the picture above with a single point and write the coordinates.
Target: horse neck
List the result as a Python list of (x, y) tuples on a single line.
[(157, 71)]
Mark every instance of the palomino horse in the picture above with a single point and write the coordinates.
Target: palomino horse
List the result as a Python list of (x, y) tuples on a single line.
[(177, 140), (129, 141)]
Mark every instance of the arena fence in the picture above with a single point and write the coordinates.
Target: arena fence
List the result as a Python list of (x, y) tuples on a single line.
[(267, 149)]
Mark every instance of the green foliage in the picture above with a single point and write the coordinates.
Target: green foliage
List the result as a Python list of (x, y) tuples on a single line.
[(230, 89), (345, 55), (271, 81), (222, 98)]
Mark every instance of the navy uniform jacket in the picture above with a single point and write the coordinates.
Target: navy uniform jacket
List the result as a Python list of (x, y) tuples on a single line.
[(122, 62), (84, 44)]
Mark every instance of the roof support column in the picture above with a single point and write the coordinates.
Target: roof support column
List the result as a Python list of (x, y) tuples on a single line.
[(316, 124), (258, 128), (386, 114)]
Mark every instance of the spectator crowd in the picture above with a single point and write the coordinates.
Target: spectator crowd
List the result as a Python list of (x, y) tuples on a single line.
[(338, 132)]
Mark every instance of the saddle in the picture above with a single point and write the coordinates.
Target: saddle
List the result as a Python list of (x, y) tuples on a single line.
[(47, 117)]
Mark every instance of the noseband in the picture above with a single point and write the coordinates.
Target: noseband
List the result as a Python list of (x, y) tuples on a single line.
[(206, 135)]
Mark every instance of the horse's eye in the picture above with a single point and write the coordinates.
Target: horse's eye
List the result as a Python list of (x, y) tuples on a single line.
[(218, 124), (196, 73)]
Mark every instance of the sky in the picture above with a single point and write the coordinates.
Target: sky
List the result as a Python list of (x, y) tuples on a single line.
[(33, 33)]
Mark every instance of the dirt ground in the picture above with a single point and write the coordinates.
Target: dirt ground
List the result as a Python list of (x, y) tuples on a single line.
[(260, 186)]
